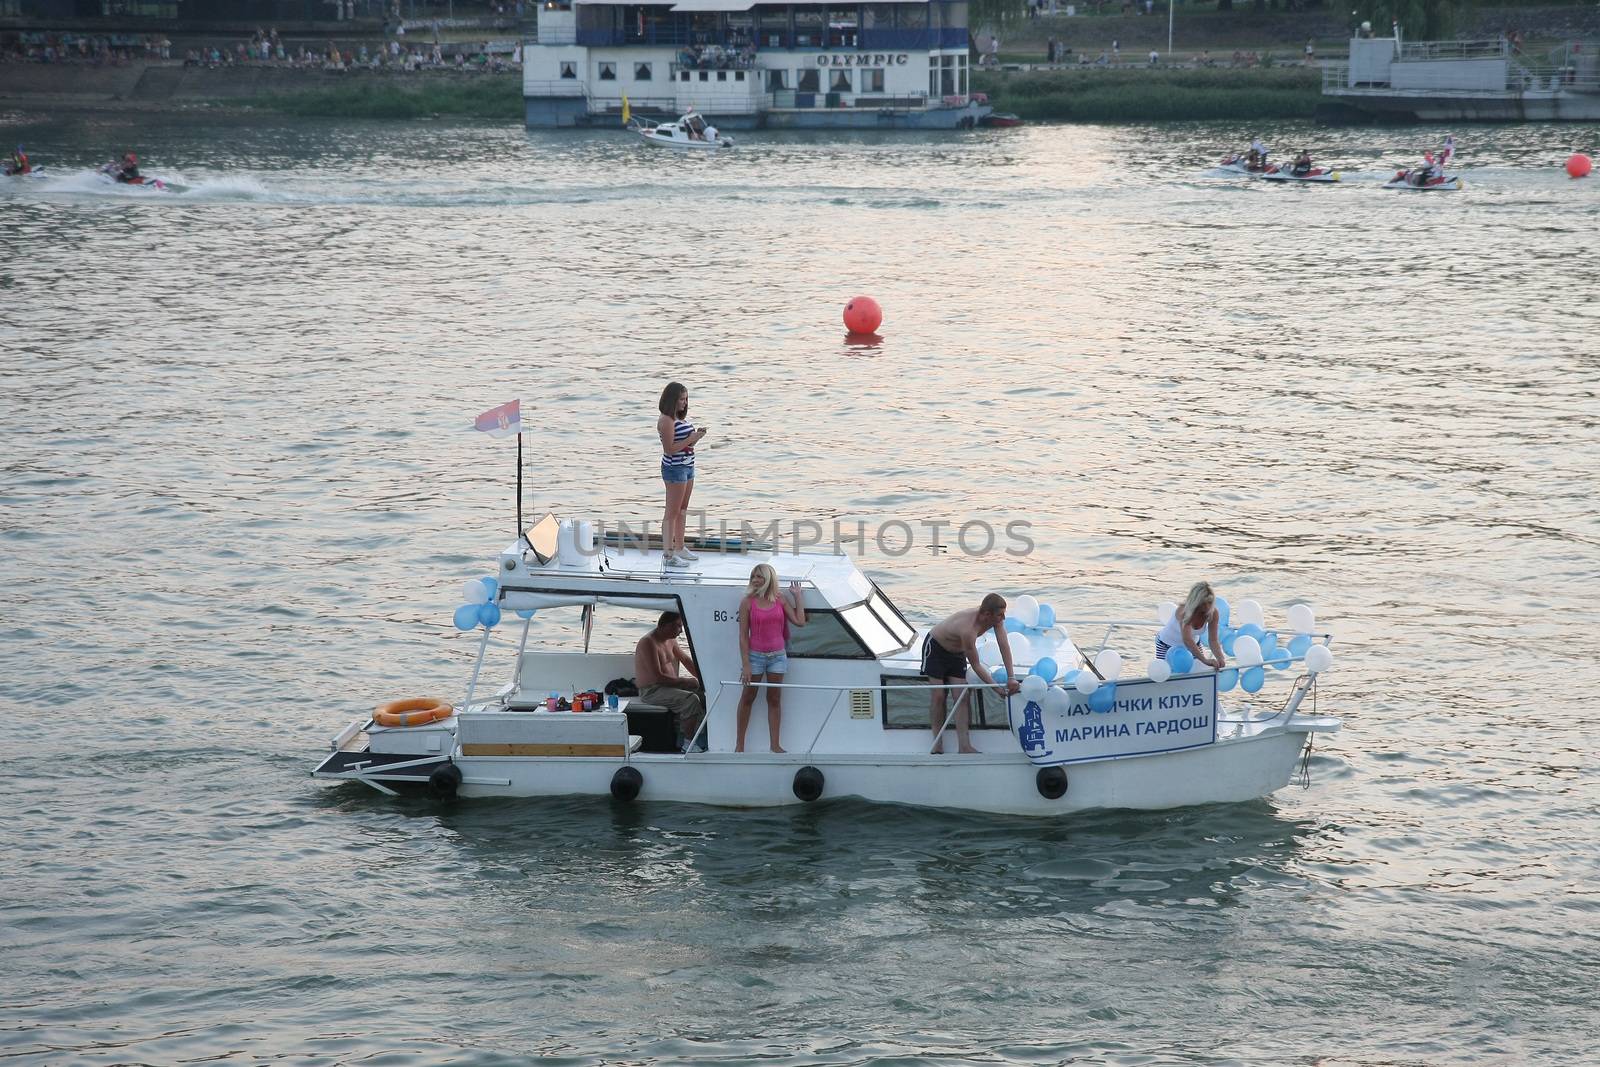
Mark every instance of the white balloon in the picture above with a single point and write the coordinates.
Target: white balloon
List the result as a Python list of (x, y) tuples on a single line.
[(1033, 687), (990, 656), (1086, 682), (475, 592), (1159, 670), (1318, 658), (1246, 612), (1021, 650), (1109, 664), (1247, 650), (1165, 611), (1025, 609), (1301, 618), (1056, 701)]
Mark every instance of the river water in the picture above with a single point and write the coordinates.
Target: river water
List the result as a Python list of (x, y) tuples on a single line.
[(239, 501)]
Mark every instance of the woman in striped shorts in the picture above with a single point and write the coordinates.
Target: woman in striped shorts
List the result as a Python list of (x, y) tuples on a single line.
[(678, 436)]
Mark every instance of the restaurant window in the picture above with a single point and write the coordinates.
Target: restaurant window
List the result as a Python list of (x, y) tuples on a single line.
[(877, 17), (808, 27), (839, 81), (777, 80), (911, 17), (722, 75), (569, 70), (738, 75), (741, 28), (608, 72), (872, 79), (955, 14), (683, 75), (809, 80), (641, 72), (842, 28), (774, 27)]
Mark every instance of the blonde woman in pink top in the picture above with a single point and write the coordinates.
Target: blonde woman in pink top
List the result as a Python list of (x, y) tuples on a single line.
[(765, 615)]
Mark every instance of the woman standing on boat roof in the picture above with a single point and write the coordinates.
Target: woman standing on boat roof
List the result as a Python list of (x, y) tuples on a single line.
[(1195, 621), (678, 436), (765, 615)]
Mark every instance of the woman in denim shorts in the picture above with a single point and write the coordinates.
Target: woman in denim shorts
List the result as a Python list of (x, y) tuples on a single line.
[(765, 615)]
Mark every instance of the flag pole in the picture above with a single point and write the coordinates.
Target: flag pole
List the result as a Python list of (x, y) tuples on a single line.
[(519, 485)]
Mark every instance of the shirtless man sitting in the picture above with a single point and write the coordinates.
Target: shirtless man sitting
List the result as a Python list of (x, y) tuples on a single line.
[(946, 651), (657, 660)]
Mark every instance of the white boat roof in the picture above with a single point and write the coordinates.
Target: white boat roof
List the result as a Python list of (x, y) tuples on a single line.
[(834, 577)]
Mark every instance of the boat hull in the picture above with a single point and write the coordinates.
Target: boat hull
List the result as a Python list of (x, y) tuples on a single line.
[(1227, 771)]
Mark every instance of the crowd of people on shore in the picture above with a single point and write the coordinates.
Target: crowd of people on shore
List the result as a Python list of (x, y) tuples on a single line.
[(265, 48)]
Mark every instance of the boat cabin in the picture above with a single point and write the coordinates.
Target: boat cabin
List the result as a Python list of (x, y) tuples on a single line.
[(853, 683)]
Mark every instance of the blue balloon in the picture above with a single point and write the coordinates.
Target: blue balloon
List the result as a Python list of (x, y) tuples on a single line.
[(1252, 630), (999, 675), (491, 585), (1252, 680), (466, 616), (1068, 678), (1014, 625), (489, 615), (1227, 678), (1228, 639), (1104, 698), (1047, 616), (1046, 669), (526, 613), (1269, 641), (1298, 645), (1279, 659), (1222, 612), (1180, 659)]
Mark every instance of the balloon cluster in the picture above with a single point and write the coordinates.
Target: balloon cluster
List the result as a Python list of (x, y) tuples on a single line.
[(1045, 683), (1253, 647), (480, 608)]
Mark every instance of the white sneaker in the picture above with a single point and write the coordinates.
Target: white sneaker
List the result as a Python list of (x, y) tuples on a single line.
[(669, 560), (684, 553)]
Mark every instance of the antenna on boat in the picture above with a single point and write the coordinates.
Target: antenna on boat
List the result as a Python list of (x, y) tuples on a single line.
[(521, 534)]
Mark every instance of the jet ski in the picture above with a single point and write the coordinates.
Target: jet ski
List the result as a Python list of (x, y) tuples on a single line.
[(1415, 181), (1315, 174), (34, 172), (1239, 163), (110, 174)]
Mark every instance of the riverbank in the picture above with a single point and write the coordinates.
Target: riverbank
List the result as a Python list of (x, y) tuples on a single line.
[(1143, 94), (485, 96)]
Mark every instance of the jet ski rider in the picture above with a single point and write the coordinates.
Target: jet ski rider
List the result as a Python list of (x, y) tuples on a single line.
[(17, 162), (1302, 164), (1257, 156), (128, 169)]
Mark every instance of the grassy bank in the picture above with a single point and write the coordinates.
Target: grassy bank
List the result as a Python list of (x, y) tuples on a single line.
[(479, 96), (1144, 95)]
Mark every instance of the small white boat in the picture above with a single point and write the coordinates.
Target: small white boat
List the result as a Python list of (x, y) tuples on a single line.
[(1407, 179), (855, 705), (1315, 174), (689, 132)]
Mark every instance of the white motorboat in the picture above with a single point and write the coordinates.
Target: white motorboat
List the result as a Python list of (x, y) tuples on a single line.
[(856, 718), (690, 132)]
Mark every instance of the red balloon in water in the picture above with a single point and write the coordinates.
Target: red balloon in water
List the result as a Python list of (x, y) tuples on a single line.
[(862, 315), (1579, 165)]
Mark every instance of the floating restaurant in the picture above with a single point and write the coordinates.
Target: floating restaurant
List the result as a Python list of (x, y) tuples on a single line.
[(897, 65)]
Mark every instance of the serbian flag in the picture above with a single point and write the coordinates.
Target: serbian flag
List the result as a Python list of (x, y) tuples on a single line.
[(502, 421)]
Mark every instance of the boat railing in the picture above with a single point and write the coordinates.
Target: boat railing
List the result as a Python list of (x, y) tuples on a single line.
[(1480, 49), (838, 694)]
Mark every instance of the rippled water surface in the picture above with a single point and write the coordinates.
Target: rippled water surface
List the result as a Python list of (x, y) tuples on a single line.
[(238, 501)]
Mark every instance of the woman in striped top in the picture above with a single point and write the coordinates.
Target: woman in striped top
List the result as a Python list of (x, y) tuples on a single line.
[(678, 436), (1194, 624)]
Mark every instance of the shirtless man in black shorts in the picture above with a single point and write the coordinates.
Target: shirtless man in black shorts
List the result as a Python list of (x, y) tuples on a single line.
[(945, 653)]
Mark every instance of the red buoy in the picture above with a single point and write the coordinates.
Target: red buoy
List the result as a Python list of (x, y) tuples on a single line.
[(1579, 165), (862, 315)]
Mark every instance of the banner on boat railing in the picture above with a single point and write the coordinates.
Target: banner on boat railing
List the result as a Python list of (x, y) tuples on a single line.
[(1147, 717)]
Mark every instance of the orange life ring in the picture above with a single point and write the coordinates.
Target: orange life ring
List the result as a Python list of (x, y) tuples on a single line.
[(413, 711)]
